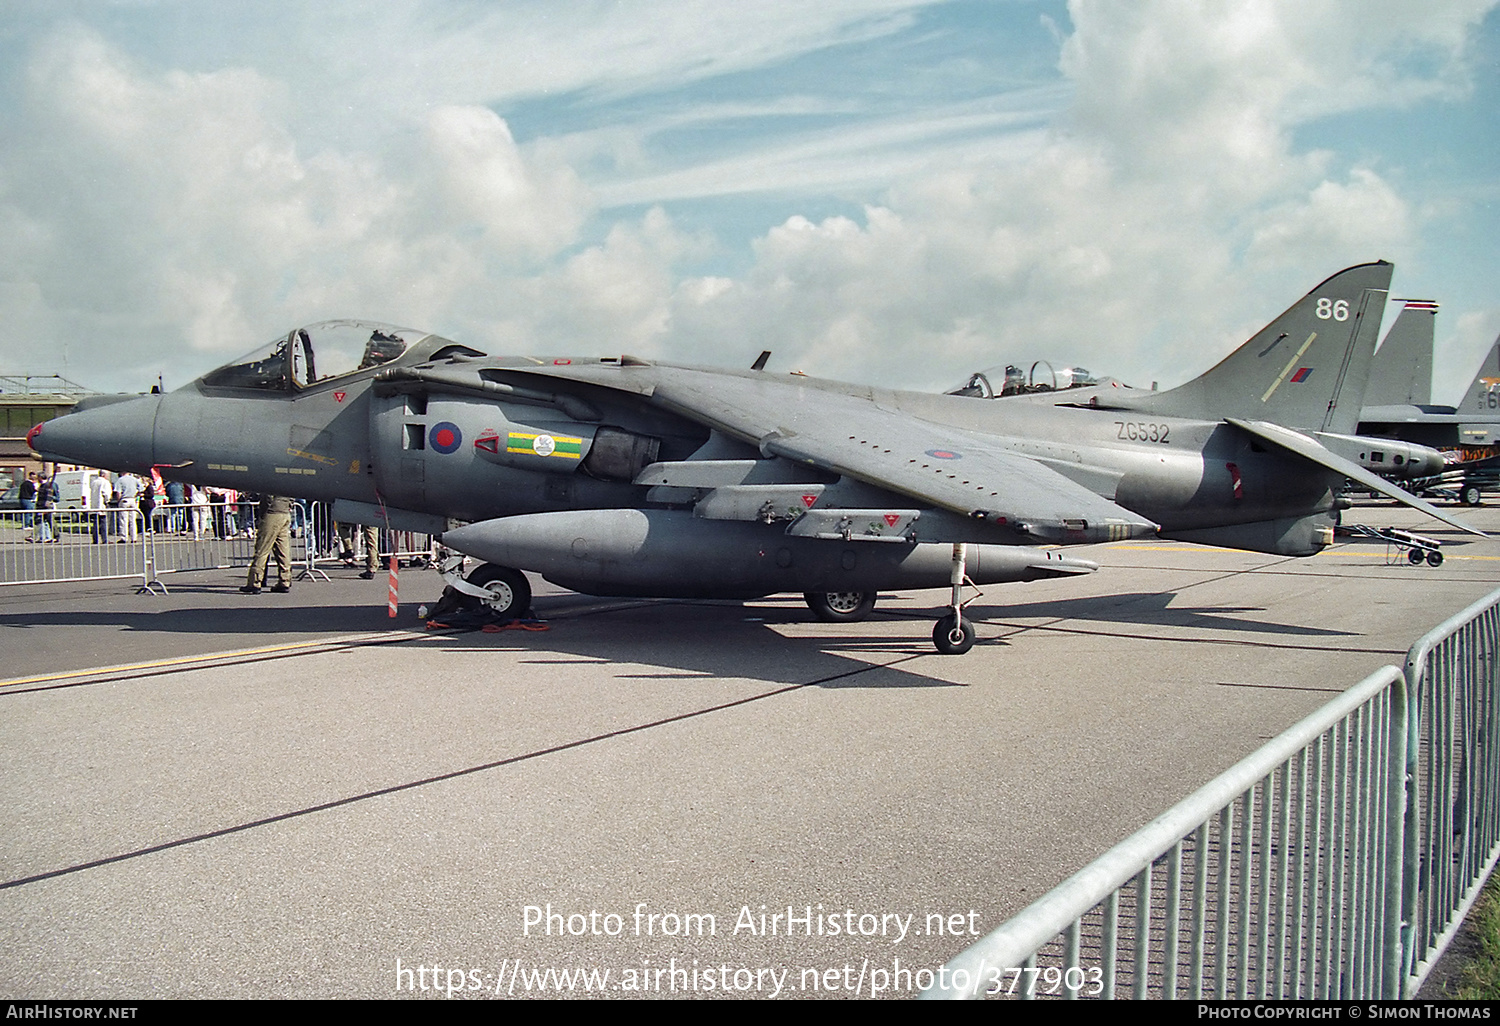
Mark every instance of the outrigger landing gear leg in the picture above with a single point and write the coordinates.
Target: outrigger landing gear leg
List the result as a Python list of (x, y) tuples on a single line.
[(953, 635)]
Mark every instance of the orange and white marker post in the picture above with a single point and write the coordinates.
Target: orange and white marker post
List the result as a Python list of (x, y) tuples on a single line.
[(395, 589)]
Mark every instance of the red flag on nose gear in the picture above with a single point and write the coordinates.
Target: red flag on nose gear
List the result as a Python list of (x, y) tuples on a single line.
[(1234, 475)]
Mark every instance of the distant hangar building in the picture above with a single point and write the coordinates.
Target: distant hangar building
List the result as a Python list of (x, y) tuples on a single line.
[(26, 400)]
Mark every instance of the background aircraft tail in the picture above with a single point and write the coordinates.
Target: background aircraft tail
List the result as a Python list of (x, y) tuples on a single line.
[(1402, 372), (1483, 394), (1307, 369)]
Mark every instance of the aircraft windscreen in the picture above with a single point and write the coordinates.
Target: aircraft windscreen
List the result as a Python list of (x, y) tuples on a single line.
[(314, 354)]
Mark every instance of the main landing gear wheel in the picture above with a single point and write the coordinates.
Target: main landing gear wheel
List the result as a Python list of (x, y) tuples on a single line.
[(840, 606), (1470, 495), (509, 595), (953, 636)]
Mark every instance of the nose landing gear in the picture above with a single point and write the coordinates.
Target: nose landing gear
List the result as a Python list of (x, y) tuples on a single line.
[(501, 590)]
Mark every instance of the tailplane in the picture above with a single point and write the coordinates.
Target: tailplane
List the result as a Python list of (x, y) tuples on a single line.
[(1307, 369)]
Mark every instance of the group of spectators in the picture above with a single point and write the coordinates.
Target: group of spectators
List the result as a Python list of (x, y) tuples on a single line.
[(120, 508), (198, 511), (38, 493)]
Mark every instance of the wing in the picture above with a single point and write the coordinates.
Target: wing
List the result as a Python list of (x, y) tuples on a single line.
[(964, 472)]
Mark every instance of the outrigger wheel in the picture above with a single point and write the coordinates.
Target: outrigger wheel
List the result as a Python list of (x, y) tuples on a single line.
[(509, 596), (840, 606), (954, 635)]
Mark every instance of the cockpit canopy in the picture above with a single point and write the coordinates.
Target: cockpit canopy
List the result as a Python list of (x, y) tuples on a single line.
[(317, 353), (1012, 380)]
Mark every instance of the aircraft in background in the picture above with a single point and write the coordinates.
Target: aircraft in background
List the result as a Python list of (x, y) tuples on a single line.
[(621, 476), (1398, 406), (1402, 407), (1401, 373)]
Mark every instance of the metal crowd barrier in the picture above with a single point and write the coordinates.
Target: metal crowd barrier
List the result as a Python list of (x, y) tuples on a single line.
[(1269, 882), (322, 544), (46, 546), (59, 546), (69, 546), (1454, 821), (1336, 862), (188, 537)]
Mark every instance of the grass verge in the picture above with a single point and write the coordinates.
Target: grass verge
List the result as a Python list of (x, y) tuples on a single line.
[(1480, 980)]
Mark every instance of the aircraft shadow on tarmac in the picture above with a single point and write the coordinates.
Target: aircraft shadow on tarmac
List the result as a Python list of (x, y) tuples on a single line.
[(266, 620), (1154, 608), (685, 639), (650, 639)]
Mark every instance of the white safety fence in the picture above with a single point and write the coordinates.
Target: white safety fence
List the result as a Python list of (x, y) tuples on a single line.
[(63, 546), (213, 536), (1336, 862), (72, 545), (1453, 822), (1265, 883), (323, 545)]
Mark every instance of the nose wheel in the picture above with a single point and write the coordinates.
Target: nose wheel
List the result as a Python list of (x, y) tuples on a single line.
[(502, 590), (506, 593)]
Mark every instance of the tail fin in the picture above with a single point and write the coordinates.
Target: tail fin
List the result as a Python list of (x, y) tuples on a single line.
[(1483, 395), (1306, 369), (1402, 372)]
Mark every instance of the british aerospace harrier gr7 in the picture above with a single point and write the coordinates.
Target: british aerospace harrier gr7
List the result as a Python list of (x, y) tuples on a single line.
[(621, 476)]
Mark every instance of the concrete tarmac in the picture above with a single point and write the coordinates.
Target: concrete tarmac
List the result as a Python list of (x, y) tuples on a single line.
[(210, 794)]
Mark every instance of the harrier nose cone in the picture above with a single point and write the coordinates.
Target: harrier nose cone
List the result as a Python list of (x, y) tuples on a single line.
[(116, 434)]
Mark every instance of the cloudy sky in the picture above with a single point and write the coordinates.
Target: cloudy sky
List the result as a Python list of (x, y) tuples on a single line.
[(892, 191)]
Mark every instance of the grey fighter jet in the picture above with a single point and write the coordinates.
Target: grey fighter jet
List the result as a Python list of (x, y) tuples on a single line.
[(1406, 411), (621, 476), (1398, 406), (1401, 374)]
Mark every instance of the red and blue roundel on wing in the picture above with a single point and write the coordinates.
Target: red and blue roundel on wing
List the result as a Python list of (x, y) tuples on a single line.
[(445, 437), (944, 454)]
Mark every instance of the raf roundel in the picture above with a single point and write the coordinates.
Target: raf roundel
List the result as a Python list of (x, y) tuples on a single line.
[(944, 454), (446, 437)]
